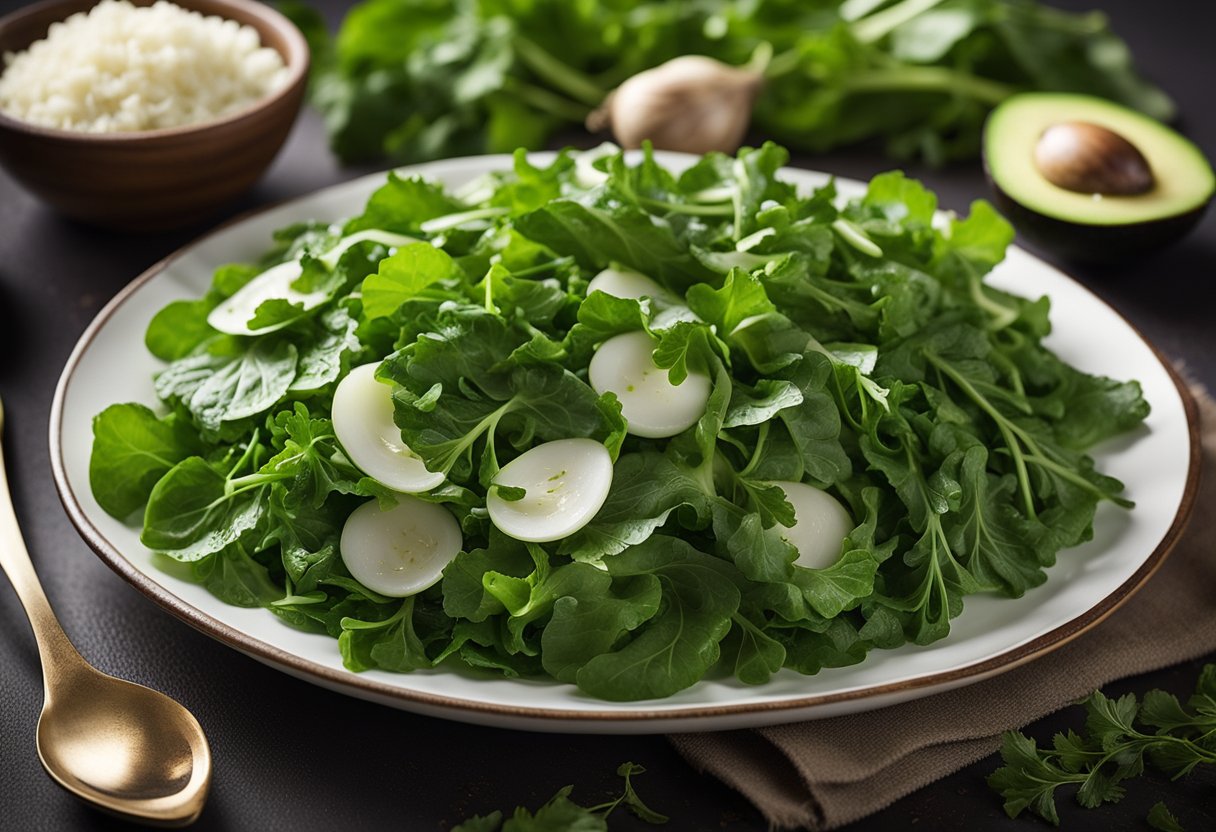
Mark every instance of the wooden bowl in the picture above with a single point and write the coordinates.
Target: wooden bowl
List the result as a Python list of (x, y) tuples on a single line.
[(157, 179)]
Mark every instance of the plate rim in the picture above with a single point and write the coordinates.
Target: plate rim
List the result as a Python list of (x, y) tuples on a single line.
[(354, 684)]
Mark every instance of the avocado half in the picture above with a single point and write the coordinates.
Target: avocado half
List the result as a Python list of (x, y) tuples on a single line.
[(1159, 205)]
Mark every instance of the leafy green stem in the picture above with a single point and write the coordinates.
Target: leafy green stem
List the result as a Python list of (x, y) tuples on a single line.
[(1002, 316), (928, 79), (406, 608), (1074, 478), (488, 422), (1007, 429), (686, 208), (558, 73), (548, 265), (545, 100), (855, 310), (877, 26), (1138, 742), (739, 198), (854, 236), (758, 452), (1011, 372), (285, 469), (250, 450), (239, 485), (630, 798), (1011, 433), (290, 599), (934, 582), (782, 63), (1086, 24)]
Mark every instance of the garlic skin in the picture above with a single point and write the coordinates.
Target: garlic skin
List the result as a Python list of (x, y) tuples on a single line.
[(692, 104)]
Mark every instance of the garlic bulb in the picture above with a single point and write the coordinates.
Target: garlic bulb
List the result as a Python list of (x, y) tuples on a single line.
[(692, 103)]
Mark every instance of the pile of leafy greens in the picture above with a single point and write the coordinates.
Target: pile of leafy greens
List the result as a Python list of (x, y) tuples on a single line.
[(420, 79), (854, 348)]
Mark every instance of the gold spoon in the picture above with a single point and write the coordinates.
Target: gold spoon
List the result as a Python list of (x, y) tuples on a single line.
[(129, 750)]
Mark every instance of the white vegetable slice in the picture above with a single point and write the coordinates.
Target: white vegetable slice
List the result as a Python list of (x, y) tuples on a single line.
[(477, 190), (585, 172), (752, 240), (566, 482), (821, 524), (722, 193), (233, 314), (653, 406), (363, 423), (402, 550), (376, 235), (450, 221), (626, 283)]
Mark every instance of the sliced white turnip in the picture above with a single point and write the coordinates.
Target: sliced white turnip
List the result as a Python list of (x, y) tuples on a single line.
[(650, 403), (477, 190), (821, 524), (586, 173), (233, 314), (565, 482), (375, 235), (752, 240), (621, 282), (401, 550), (721, 193), (450, 221), (363, 423)]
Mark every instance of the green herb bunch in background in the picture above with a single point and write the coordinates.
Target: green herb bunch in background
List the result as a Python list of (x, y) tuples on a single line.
[(419, 79)]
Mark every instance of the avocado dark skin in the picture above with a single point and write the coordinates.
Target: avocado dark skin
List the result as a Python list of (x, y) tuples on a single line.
[(1093, 243)]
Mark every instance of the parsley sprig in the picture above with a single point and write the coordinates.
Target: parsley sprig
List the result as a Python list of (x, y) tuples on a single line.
[(1121, 737), (1160, 817), (561, 813)]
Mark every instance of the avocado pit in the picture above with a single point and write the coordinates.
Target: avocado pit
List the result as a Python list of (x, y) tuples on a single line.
[(1086, 158)]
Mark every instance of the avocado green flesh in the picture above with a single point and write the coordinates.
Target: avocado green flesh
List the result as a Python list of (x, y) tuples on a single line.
[(1184, 181)]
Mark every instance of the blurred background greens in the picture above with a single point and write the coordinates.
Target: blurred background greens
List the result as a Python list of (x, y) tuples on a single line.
[(410, 80)]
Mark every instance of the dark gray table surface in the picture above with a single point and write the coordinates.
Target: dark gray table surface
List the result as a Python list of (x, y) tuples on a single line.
[(289, 755)]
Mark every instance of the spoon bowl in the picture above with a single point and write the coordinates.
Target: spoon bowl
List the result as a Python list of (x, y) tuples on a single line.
[(125, 748)]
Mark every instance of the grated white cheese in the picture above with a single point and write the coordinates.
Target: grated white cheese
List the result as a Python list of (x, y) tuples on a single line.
[(122, 68)]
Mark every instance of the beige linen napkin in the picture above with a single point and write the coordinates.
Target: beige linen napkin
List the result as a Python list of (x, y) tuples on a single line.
[(825, 773)]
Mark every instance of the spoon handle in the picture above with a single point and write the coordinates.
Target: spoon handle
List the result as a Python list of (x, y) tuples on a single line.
[(54, 648)]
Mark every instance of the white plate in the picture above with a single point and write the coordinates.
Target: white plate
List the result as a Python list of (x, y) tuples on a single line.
[(1159, 464)]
